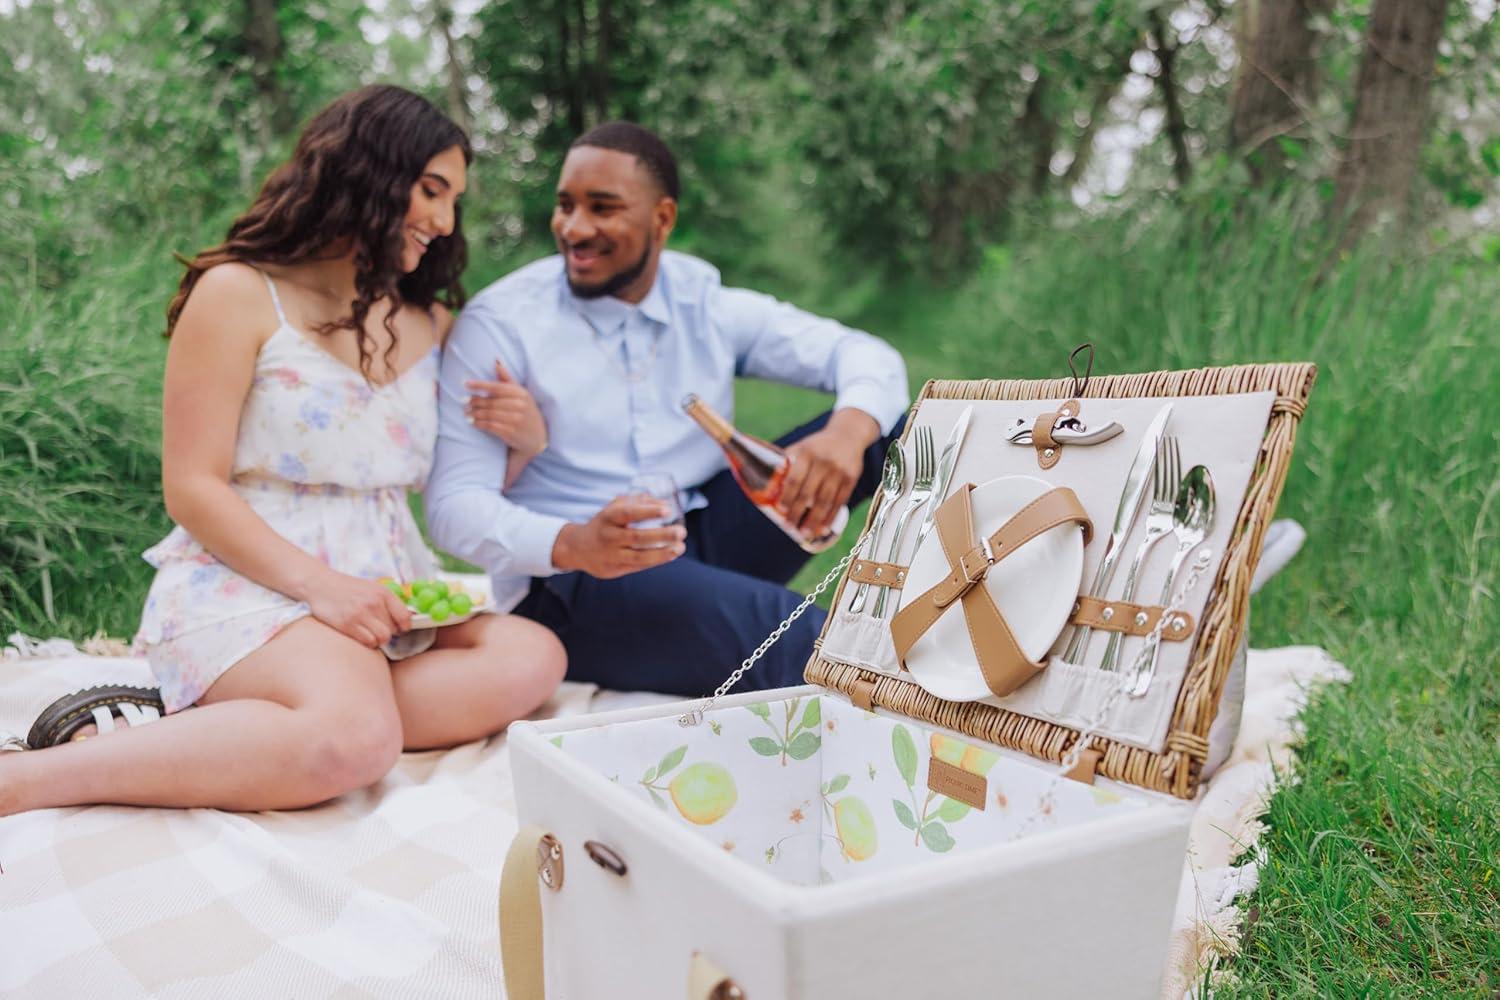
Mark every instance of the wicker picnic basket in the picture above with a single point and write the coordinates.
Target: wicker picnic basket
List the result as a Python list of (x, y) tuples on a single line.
[(1176, 770)]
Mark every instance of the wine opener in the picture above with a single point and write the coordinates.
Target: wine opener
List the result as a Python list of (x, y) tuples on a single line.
[(1050, 431)]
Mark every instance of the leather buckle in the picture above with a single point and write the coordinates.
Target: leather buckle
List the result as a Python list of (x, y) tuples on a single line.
[(966, 562)]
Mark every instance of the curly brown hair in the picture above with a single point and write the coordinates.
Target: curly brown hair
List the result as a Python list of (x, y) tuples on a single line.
[(350, 177)]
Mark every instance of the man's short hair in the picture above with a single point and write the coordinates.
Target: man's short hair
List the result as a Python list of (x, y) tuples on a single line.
[(642, 143)]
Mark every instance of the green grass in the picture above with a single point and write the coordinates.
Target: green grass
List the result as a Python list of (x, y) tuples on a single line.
[(1380, 861)]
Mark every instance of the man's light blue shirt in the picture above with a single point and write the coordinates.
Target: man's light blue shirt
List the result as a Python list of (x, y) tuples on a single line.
[(609, 378)]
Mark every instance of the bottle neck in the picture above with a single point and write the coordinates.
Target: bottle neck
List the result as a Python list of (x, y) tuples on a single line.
[(717, 427)]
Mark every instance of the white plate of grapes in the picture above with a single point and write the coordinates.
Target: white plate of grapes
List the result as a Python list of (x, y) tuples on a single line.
[(435, 603)]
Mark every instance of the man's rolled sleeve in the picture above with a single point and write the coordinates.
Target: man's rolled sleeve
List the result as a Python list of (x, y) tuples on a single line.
[(774, 340)]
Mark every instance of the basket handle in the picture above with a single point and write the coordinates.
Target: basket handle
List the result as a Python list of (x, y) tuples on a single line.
[(521, 915)]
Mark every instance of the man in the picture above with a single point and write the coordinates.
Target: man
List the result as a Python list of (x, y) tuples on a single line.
[(608, 337)]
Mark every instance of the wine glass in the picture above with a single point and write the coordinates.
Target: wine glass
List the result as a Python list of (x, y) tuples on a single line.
[(657, 485)]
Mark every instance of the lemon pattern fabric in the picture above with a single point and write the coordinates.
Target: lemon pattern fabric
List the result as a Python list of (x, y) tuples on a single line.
[(814, 790), (327, 460)]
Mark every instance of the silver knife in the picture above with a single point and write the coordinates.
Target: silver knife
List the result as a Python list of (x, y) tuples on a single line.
[(1130, 503), (946, 462)]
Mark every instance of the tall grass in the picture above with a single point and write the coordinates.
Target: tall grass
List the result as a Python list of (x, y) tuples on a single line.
[(1379, 875), (80, 495)]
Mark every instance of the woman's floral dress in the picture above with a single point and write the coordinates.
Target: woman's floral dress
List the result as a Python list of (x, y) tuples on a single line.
[(327, 460)]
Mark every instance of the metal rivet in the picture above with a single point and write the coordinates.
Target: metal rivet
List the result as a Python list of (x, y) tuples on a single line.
[(1076, 606), (1049, 453), (605, 857), (1179, 622), (549, 862), (1140, 617), (858, 567), (879, 571), (1107, 614)]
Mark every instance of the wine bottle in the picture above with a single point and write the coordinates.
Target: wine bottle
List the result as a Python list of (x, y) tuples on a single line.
[(761, 469)]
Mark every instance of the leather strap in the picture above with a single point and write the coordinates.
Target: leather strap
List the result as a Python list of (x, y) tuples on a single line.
[(878, 573), (862, 694), (521, 918), (1086, 768), (1004, 666), (1131, 619), (1048, 451)]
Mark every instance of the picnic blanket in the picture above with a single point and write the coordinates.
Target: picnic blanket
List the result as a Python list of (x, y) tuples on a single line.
[(391, 891)]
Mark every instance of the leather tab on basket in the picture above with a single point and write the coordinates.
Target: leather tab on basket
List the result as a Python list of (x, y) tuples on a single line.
[(1048, 451), (1131, 619), (862, 694), (879, 573), (956, 783), (1001, 661), (1087, 766)]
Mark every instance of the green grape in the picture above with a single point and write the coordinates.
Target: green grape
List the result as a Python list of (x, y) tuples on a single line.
[(440, 611), (461, 604), (440, 587), (424, 600)]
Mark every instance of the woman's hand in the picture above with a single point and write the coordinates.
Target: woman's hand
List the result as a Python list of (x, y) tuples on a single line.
[(505, 409), (363, 610)]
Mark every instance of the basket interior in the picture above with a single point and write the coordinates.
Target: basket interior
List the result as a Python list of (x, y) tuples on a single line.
[(813, 790)]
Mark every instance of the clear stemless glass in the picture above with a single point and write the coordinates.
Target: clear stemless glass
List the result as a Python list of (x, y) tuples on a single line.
[(658, 485)]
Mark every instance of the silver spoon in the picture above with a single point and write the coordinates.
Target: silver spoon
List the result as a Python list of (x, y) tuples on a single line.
[(892, 478), (1192, 520)]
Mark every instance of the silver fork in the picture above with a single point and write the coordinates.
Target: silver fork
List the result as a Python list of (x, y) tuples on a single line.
[(1166, 475), (892, 482), (925, 468)]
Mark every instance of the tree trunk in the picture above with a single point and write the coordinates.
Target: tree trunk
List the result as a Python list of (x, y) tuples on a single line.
[(1040, 134), (1390, 111), (263, 40), (1277, 79), (458, 105), (601, 64), (567, 90), (1166, 57), (585, 70)]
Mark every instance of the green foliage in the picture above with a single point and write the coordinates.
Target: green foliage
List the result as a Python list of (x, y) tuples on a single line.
[(80, 495)]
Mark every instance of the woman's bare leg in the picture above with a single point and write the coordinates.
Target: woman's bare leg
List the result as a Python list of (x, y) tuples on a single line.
[(305, 718), (480, 677)]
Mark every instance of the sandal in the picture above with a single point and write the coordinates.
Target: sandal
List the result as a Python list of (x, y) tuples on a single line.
[(100, 705)]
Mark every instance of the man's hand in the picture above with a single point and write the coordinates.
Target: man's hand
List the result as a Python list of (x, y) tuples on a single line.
[(825, 466), (607, 546)]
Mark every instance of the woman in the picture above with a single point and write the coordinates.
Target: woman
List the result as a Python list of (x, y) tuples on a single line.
[(299, 406)]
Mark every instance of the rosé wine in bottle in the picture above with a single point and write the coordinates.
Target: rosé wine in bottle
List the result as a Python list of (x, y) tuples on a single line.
[(761, 469)]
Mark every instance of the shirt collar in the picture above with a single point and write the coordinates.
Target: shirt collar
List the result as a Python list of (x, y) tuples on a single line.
[(608, 314)]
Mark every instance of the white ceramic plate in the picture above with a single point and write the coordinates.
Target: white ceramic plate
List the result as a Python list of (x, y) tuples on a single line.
[(1034, 587)]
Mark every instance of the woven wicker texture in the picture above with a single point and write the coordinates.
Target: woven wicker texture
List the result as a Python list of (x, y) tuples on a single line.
[(1176, 770)]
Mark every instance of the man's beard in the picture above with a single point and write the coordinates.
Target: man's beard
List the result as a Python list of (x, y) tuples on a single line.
[(610, 286)]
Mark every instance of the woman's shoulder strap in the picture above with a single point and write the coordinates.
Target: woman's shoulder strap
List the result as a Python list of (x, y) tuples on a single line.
[(275, 298)]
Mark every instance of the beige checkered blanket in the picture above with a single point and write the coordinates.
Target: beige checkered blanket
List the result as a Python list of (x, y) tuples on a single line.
[(391, 892)]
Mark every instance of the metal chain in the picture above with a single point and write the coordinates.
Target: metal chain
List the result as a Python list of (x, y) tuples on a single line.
[(1179, 599), (696, 715)]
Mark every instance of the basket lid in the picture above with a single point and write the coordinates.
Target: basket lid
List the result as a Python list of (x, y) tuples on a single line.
[(1241, 423)]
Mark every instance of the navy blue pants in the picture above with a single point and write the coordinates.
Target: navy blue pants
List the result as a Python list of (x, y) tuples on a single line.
[(683, 627)]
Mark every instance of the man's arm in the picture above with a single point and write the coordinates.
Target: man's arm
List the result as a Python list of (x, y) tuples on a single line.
[(467, 513), (469, 516), (867, 376)]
